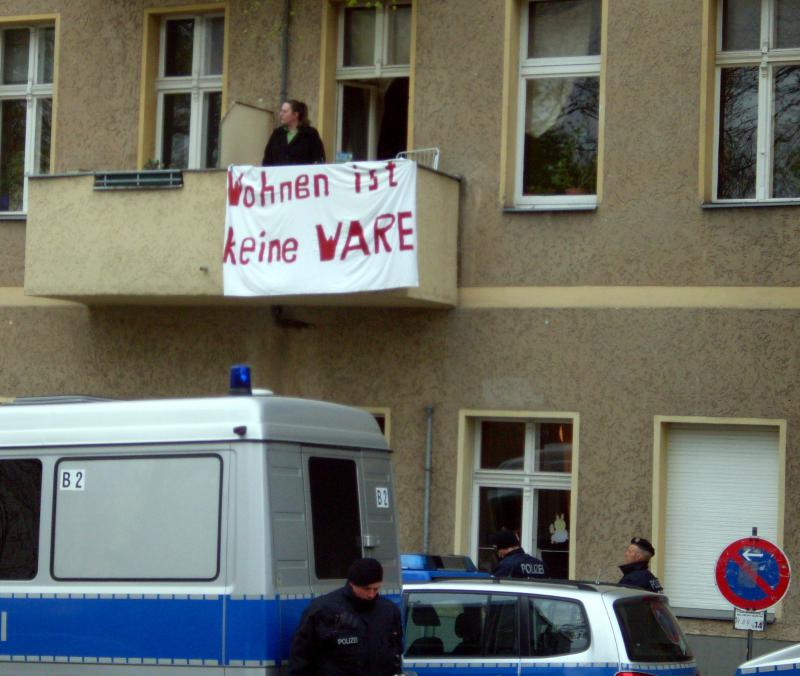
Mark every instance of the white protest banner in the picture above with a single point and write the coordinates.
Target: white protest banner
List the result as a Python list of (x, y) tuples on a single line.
[(322, 228)]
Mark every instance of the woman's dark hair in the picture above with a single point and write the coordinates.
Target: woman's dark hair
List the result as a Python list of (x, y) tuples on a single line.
[(302, 112)]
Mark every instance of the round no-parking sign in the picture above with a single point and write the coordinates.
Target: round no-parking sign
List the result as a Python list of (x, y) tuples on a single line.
[(752, 573)]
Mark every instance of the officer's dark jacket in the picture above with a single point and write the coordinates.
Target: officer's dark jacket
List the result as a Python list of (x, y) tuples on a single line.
[(339, 635), (305, 148), (637, 574), (519, 564)]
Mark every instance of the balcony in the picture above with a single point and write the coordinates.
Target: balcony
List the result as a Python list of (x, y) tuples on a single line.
[(120, 239)]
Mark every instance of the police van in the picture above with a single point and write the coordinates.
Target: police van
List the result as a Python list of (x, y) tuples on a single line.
[(140, 536)]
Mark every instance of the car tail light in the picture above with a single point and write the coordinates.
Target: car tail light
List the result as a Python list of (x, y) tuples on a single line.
[(632, 673)]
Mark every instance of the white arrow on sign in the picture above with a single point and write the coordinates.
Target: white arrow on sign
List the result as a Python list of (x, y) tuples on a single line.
[(749, 554)]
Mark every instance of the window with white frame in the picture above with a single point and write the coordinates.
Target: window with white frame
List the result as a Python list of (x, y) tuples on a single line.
[(26, 108), (522, 482), (559, 102), (758, 100), (189, 91), (372, 80)]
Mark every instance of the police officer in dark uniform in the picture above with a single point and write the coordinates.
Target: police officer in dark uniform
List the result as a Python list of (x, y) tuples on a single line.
[(513, 561), (351, 630), (636, 569)]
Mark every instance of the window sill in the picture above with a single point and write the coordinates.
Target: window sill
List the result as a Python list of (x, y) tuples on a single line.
[(13, 217), (531, 208), (748, 204)]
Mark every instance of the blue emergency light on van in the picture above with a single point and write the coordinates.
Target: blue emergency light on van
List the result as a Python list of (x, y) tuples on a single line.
[(425, 567), (185, 533)]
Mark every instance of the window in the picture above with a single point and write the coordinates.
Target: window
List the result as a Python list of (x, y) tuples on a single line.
[(719, 481), (559, 102), (137, 518), (335, 516), (522, 482), (26, 108), (758, 102), (556, 627), (461, 625), (189, 91), (20, 505), (372, 77), (650, 631)]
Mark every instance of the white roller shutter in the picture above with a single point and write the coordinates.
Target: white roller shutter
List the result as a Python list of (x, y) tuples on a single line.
[(721, 481)]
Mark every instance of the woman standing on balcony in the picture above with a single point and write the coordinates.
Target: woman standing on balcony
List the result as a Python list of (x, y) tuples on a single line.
[(295, 141)]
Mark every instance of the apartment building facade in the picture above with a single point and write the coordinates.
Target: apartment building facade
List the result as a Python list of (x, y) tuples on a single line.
[(604, 340)]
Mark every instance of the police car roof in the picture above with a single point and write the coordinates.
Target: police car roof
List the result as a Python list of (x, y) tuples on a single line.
[(778, 660), (528, 585), (231, 418)]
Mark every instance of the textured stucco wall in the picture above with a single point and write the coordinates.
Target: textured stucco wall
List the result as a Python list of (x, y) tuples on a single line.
[(12, 253)]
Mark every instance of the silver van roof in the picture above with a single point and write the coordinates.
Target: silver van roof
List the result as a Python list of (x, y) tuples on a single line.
[(231, 418)]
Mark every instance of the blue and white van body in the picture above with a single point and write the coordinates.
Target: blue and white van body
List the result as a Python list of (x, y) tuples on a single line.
[(785, 662), (140, 536)]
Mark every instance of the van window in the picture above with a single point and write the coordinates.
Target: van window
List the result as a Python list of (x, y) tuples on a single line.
[(335, 517), (650, 631), (137, 518), (20, 506), (461, 625), (557, 627)]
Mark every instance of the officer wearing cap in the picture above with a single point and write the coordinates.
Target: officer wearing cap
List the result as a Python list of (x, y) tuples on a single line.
[(636, 569), (513, 561), (351, 630)]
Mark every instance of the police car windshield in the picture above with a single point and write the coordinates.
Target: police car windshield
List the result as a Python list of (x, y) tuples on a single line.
[(650, 631)]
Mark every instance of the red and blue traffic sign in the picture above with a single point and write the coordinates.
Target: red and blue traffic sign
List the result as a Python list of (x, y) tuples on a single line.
[(752, 573)]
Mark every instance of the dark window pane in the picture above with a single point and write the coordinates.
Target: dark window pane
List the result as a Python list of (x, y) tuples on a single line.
[(650, 631), (552, 531), (557, 627), (555, 447), (44, 121), (47, 38), (20, 498), (561, 136), (786, 129), (399, 47), (738, 126), (392, 134), (445, 623), (502, 445), (15, 55), (12, 155), (179, 48), (498, 508), (501, 630), (215, 39), (355, 121), (788, 19), (335, 517), (213, 108), (177, 116), (359, 37), (563, 28), (741, 24)]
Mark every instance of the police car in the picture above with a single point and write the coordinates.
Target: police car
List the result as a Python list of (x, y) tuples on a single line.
[(540, 627), (785, 661)]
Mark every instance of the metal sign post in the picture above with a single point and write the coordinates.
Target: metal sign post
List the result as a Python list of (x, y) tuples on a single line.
[(753, 574)]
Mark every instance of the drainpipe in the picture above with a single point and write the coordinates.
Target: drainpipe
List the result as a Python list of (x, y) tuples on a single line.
[(426, 515), (287, 12)]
